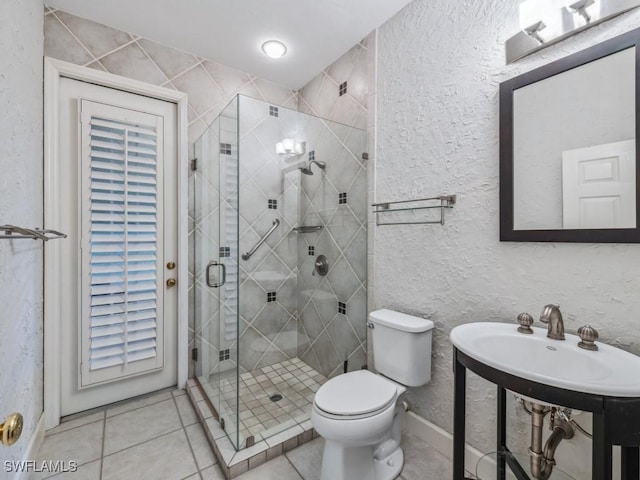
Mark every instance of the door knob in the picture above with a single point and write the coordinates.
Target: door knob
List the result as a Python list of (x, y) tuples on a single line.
[(171, 282), (11, 429), (171, 265)]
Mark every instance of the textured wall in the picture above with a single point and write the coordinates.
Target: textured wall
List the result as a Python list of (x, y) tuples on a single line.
[(21, 338), (437, 130)]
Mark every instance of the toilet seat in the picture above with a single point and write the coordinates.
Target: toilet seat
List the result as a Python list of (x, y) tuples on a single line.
[(355, 395)]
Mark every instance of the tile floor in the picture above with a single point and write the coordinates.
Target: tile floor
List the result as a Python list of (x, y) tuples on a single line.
[(260, 417), (158, 438)]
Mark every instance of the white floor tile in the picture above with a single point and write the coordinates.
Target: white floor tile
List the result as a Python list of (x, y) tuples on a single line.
[(88, 471), (128, 429), (77, 422), (140, 402), (186, 411), (200, 446), (278, 468), (422, 461), (167, 457), (81, 444), (213, 473), (307, 458)]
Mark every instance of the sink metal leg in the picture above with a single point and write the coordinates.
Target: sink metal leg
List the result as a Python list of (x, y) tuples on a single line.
[(630, 464), (501, 433), (459, 414), (602, 449)]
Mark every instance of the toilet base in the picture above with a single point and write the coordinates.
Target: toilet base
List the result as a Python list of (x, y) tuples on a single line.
[(339, 463), (390, 467)]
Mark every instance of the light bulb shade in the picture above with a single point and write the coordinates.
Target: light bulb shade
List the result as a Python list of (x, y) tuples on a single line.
[(288, 144), (274, 48), (288, 147), (300, 147)]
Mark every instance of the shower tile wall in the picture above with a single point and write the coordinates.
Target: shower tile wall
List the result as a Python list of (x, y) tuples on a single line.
[(210, 85), (333, 309), (268, 191), (339, 92)]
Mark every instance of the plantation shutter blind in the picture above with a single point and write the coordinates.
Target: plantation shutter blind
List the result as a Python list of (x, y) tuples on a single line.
[(121, 243)]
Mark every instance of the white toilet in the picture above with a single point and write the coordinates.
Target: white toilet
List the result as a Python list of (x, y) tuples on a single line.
[(359, 413)]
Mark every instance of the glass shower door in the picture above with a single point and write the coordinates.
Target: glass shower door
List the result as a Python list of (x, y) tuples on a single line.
[(216, 260)]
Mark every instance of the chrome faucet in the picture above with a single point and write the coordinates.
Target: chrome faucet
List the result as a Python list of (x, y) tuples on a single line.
[(552, 316)]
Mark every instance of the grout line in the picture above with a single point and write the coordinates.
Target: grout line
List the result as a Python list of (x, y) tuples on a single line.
[(51, 435), (104, 435), (119, 404), (153, 61), (74, 36), (143, 442), (184, 429), (292, 465), (199, 61), (124, 45)]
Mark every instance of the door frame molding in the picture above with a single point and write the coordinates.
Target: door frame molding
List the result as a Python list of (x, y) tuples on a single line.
[(54, 71)]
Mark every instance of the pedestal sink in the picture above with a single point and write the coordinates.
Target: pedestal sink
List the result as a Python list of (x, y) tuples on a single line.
[(604, 382), (560, 363)]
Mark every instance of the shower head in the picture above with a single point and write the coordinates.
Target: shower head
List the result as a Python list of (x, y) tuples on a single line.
[(307, 169)]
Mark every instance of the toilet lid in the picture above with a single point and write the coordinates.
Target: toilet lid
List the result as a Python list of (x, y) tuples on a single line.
[(355, 393)]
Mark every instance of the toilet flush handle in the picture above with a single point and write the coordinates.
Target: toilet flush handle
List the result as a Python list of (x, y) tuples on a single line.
[(371, 325)]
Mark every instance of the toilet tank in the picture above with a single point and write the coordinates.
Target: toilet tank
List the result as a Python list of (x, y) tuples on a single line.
[(402, 346)]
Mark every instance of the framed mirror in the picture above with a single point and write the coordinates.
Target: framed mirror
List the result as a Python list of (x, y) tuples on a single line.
[(569, 167)]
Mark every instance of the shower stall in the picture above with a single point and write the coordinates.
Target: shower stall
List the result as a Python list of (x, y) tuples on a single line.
[(279, 263)]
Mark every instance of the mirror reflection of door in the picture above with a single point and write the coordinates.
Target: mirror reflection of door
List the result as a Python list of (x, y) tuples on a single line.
[(598, 186), (585, 107)]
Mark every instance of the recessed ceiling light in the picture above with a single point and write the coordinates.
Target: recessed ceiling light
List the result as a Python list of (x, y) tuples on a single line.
[(274, 48)]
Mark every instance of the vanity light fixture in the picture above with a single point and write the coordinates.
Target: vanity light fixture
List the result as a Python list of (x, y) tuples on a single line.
[(274, 48), (288, 147), (531, 15), (545, 22), (533, 30), (580, 7)]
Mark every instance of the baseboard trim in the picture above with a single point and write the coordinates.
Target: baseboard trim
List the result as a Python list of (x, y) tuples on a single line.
[(31, 453), (440, 439)]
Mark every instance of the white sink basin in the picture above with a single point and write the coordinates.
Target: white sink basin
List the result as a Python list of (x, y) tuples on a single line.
[(560, 363)]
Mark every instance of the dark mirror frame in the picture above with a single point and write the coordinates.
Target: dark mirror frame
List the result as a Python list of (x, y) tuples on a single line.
[(507, 233)]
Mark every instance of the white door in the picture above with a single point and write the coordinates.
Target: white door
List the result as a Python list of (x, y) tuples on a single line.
[(118, 174), (598, 186)]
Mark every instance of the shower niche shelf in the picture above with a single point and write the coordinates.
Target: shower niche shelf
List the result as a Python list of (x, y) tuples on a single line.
[(406, 212)]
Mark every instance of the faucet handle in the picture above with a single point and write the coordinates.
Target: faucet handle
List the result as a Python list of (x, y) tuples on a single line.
[(525, 320), (588, 335)]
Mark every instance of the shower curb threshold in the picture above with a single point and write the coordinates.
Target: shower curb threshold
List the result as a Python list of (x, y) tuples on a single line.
[(236, 462)]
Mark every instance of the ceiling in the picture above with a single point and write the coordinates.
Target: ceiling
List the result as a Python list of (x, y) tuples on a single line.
[(316, 32)]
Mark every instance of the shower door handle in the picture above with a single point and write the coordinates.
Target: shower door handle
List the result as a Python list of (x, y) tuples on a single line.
[(208, 274)]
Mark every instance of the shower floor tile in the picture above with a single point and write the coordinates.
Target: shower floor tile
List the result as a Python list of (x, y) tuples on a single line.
[(260, 416)]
